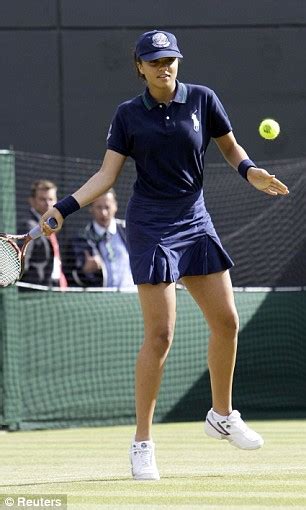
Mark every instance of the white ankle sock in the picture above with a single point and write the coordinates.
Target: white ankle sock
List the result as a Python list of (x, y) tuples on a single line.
[(219, 417), (143, 441)]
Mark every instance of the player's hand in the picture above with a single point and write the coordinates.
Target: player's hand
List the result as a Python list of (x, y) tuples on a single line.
[(92, 264), (51, 213), (263, 181)]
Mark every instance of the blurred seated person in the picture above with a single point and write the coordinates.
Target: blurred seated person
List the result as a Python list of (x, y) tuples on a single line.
[(43, 259), (98, 256)]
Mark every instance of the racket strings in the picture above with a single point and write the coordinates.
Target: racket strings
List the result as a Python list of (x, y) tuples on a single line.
[(10, 264)]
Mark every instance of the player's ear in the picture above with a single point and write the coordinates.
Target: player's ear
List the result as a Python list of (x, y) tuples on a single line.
[(139, 67)]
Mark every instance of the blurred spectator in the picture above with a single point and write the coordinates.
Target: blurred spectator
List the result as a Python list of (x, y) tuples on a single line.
[(43, 259), (98, 256)]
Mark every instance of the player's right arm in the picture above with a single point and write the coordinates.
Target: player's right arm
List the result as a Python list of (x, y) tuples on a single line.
[(96, 185), (101, 181)]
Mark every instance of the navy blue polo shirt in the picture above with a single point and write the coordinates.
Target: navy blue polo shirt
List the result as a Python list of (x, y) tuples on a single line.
[(168, 142)]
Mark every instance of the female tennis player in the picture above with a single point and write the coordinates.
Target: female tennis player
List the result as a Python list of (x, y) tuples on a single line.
[(170, 235)]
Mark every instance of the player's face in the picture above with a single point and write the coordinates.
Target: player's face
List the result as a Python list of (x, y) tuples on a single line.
[(43, 200), (160, 73), (103, 209)]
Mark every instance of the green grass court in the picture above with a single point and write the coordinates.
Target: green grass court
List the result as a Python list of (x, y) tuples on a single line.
[(91, 466)]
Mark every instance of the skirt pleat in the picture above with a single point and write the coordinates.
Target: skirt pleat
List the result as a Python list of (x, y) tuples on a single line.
[(168, 240)]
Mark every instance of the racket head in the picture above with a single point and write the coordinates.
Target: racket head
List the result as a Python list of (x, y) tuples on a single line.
[(12, 258), (11, 265)]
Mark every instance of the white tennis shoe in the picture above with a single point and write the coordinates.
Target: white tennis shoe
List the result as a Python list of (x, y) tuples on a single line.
[(142, 458), (234, 430)]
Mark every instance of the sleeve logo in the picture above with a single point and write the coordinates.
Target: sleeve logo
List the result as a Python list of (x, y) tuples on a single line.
[(109, 134)]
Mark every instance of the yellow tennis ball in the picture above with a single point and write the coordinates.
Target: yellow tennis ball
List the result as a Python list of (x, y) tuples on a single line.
[(269, 129)]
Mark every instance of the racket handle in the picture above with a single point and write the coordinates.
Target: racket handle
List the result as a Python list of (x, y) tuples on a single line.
[(36, 232)]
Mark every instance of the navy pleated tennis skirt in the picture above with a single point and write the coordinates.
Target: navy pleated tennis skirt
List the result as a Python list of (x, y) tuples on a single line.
[(169, 239)]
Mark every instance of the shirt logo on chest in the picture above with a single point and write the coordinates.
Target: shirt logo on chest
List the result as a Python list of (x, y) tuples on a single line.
[(196, 123)]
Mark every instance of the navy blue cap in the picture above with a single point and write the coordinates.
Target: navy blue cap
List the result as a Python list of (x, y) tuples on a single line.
[(157, 44)]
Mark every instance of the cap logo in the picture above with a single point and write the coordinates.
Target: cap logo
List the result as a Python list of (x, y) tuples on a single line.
[(160, 40)]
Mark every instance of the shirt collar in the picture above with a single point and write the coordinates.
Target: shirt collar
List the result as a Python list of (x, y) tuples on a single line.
[(112, 229), (180, 96)]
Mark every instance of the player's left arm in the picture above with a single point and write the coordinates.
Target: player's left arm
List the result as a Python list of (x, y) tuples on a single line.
[(262, 180)]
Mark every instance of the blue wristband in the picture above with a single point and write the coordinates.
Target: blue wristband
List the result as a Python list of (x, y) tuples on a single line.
[(67, 205), (244, 166)]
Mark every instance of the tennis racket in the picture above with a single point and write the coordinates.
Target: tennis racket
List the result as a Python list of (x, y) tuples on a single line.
[(12, 257)]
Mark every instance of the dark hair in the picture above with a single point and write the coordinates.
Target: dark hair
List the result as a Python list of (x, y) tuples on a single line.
[(138, 61)]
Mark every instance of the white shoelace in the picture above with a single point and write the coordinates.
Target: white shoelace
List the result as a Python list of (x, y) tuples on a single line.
[(239, 423), (144, 457)]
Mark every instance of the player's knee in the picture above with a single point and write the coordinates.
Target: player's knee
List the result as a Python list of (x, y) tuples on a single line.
[(162, 340), (232, 323), (228, 325)]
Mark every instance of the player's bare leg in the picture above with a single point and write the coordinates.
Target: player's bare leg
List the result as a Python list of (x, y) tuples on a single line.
[(158, 303), (214, 295)]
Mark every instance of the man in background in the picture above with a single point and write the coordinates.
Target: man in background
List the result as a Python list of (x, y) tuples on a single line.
[(98, 256), (43, 259)]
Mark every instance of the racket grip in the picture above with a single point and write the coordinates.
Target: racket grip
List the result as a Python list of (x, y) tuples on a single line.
[(36, 232)]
